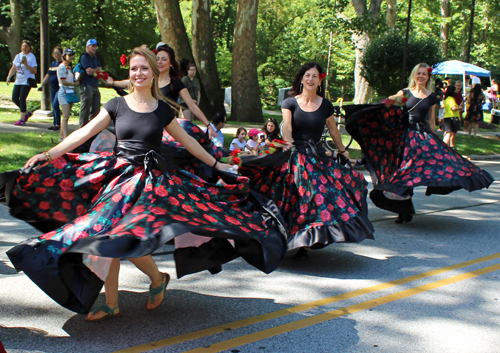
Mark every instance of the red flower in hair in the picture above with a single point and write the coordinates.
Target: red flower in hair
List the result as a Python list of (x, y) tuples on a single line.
[(429, 70), (322, 76), (123, 60)]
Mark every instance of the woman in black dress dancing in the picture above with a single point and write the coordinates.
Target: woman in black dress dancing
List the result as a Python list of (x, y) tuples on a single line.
[(321, 201), (403, 152), (124, 204)]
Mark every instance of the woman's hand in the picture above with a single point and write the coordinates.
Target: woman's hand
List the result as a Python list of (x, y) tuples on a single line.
[(223, 167), (35, 160), (211, 132), (345, 154), (288, 145), (110, 81)]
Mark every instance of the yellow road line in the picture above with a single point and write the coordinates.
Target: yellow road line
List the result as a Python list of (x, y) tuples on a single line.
[(292, 326), (292, 310)]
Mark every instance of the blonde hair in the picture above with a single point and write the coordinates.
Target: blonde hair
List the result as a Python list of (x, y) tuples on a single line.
[(153, 64), (413, 82)]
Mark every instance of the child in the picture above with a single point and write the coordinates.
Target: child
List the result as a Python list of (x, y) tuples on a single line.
[(239, 142), (255, 143)]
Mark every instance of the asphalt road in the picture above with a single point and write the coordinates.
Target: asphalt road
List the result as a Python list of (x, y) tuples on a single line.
[(427, 286)]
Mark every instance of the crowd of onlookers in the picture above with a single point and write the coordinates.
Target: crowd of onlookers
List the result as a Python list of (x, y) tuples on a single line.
[(463, 107)]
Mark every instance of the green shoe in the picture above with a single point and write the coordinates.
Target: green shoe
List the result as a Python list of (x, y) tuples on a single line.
[(105, 309), (153, 292)]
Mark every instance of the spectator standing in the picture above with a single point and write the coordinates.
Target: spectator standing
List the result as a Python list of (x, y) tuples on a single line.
[(474, 115), (25, 67), (193, 86), (451, 116), (438, 91), (89, 90), (493, 91), (51, 77), (459, 98), (66, 85)]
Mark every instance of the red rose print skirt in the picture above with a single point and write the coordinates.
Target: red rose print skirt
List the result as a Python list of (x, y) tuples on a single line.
[(100, 204), (401, 156), (321, 201)]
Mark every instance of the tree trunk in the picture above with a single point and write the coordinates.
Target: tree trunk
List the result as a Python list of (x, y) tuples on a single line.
[(445, 26), (390, 19), (204, 56), (362, 89), (12, 34), (172, 29), (245, 94)]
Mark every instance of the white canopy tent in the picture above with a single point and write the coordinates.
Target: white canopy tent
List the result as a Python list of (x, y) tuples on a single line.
[(456, 67)]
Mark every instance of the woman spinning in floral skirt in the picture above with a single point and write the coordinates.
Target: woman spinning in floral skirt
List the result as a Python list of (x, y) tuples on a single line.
[(125, 204), (403, 152), (321, 201)]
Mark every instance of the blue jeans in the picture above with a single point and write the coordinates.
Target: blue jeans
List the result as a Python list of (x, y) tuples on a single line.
[(56, 111)]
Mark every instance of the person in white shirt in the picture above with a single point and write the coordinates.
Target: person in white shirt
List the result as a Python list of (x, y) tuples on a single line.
[(66, 85), (239, 142), (24, 66)]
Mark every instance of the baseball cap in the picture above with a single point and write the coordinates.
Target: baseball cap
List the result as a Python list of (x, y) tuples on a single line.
[(475, 80), (92, 42), (253, 132), (68, 51)]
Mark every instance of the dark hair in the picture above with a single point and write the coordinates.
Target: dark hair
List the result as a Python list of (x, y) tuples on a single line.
[(276, 126), (175, 70), (477, 92), (191, 65), (184, 64), (450, 92), (27, 42), (58, 48), (219, 117), (240, 129), (296, 90), (438, 83)]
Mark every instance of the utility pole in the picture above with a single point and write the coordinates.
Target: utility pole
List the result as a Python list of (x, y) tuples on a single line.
[(405, 55), (471, 28), (44, 51)]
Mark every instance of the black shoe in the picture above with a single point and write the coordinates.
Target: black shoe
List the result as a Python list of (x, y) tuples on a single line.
[(301, 254), (54, 128), (403, 218), (358, 166)]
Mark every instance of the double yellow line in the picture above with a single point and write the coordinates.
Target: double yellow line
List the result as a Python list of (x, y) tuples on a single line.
[(260, 335)]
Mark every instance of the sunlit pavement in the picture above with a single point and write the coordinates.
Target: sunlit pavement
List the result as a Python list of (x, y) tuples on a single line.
[(427, 286)]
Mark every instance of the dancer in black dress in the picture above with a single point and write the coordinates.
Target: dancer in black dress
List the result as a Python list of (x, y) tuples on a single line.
[(321, 201), (402, 151), (108, 206)]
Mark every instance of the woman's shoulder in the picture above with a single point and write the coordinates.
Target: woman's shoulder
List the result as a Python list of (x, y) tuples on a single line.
[(288, 103), (327, 103)]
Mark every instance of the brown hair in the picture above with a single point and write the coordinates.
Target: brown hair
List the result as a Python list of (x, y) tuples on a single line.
[(153, 64)]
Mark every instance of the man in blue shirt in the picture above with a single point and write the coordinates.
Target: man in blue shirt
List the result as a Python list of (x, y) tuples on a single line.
[(89, 90), (218, 122)]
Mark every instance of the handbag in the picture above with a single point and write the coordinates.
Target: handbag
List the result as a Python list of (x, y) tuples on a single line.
[(32, 83), (72, 97)]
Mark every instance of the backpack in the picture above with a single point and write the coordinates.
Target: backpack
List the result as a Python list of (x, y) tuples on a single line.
[(78, 68)]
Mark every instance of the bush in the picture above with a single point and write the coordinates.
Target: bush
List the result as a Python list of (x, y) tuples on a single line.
[(383, 60)]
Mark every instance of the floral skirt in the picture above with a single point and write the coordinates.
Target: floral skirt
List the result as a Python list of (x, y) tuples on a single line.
[(106, 205), (321, 201), (401, 156)]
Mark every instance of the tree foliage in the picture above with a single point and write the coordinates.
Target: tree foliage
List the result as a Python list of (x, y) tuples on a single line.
[(383, 60)]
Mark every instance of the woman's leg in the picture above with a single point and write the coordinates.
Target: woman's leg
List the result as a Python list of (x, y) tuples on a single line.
[(453, 135), (475, 126), (111, 289), (66, 109), (25, 91), (56, 110), (16, 98), (147, 265)]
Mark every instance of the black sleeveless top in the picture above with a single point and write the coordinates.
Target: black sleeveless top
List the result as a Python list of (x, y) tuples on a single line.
[(418, 108), (141, 127), (308, 125), (173, 89)]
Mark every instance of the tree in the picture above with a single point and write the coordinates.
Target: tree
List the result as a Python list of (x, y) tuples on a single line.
[(445, 26), (361, 40), (172, 28), (11, 34), (245, 97), (383, 58), (204, 56), (390, 19)]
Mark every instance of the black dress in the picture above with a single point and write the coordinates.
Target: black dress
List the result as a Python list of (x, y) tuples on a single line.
[(126, 204), (173, 89), (321, 201), (403, 153)]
